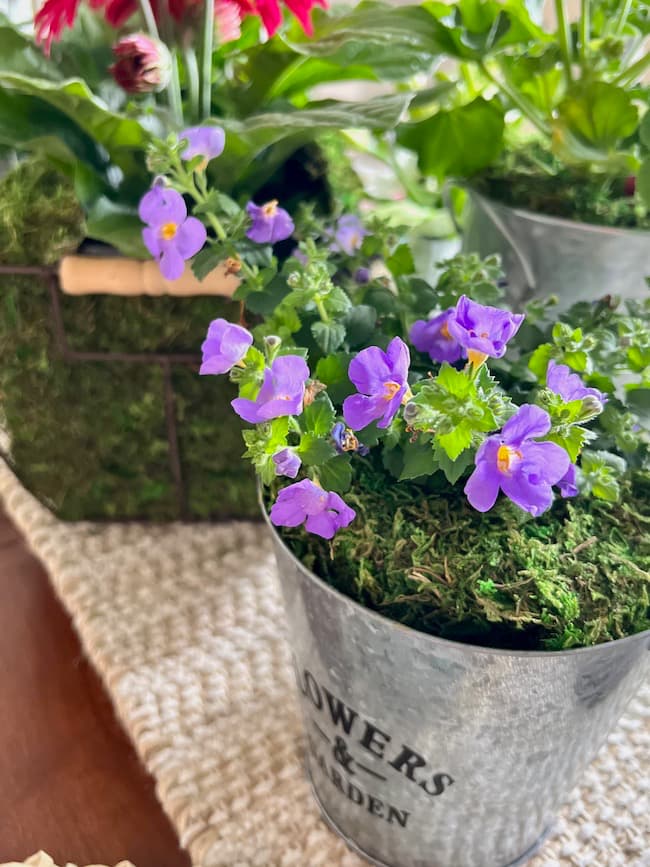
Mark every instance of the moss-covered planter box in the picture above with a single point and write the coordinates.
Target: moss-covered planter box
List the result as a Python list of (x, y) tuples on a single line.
[(100, 395)]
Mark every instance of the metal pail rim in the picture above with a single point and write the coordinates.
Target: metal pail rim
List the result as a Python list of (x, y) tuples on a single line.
[(435, 640), (560, 222)]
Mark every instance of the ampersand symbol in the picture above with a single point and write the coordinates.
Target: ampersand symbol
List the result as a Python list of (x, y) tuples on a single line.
[(342, 755)]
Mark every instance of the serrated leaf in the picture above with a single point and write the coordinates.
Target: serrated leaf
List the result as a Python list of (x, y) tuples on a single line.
[(454, 381), (314, 450), (333, 372), (573, 442), (453, 469), (329, 336), (318, 417), (336, 474), (418, 461), (598, 113), (400, 263), (206, 260), (360, 324), (456, 441), (539, 360)]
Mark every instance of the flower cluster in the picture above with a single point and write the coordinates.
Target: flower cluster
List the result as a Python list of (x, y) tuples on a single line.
[(327, 379)]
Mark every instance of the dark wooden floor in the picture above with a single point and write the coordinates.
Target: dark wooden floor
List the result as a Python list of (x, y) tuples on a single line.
[(70, 782)]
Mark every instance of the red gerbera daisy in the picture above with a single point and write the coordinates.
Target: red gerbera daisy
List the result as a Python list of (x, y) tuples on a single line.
[(270, 12)]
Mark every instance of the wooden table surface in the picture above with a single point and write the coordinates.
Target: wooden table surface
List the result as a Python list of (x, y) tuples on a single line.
[(70, 781)]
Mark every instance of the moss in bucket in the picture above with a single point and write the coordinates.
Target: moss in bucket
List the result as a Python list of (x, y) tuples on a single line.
[(89, 439), (536, 181), (577, 576)]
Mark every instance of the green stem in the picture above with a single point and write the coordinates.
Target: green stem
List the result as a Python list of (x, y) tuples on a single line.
[(632, 72), (149, 18), (218, 228), (208, 45), (322, 312), (622, 18), (525, 107), (193, 83), (564, 38), (174, 93), (585, 30)]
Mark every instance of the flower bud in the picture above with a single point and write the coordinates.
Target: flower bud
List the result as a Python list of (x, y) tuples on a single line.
[(142, 64), (411, 412), (591, 407), (272, 341)]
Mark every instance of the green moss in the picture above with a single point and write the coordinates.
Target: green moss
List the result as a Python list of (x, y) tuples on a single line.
[(579, 575), (90, 439), (533, 180)]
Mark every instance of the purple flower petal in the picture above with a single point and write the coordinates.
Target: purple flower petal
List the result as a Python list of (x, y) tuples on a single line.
[(349, 234), (190, 237), (281, 394), (205, 141), (152, 241), (568, 483), (323, 524), (399, 358), (369, 370), (482, 487), (551, 461), (225, 345), (529, 421), (568, 385), (532, 497), (483, 329), (432, 336), (359, 410), (322, 512), (162, 205), (172, 263), (287, 463), (270, 223)]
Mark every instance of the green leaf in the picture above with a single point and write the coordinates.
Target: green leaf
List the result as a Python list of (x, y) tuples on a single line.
[(121, 136), (336, 474), (643, 181), (461, 141), (638, 400), (328, 335), (333, 372), (207, 259), (456, 441), (418, 461), (453, 469), (319, 416), (401, 262), (314, 450), (118, 226), (454, 381), (644, 130), (572, 441), (598, 113), (360, 324)]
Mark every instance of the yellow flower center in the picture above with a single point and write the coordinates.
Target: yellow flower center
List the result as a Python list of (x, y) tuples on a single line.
[(476, 358), (168, 231), (505, 457), (270, 208), (391, 388), (445, 331)]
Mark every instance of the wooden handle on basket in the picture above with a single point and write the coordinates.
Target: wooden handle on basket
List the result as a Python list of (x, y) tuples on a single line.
[(93, 275)]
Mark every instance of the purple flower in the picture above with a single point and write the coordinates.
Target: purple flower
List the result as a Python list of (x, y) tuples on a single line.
[(569, 385), (287, 463), (349, 234), (567, 484), (482, 331), (345, 440), (433, 336), (224, 347), (322, 512), (380, 377), (203, 141), (303, 258), (362, 276), (171, 236), (281, 393), (270, 223), (523, 469)]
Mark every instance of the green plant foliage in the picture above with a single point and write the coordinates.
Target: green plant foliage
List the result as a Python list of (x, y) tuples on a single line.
[(418, 553), (90, 439)]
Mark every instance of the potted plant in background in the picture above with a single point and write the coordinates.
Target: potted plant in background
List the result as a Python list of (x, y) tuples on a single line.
[(551, 136), (459, 500), (85, 97)]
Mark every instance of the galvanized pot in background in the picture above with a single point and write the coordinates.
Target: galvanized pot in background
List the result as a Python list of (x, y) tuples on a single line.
[(545, 255), (428, 753)]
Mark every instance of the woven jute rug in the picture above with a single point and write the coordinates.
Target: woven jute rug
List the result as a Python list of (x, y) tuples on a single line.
[(186, 626)]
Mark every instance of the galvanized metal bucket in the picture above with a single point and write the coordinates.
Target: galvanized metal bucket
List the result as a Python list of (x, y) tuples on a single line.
[(545, 255), (428, 753)]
